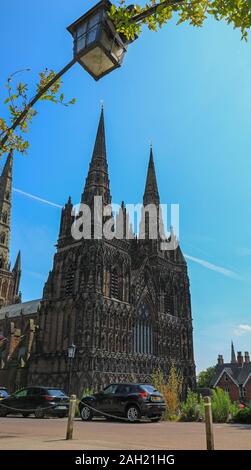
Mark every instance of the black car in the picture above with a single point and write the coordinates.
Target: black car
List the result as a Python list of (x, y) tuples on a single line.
[(40, 401), (131, 401)]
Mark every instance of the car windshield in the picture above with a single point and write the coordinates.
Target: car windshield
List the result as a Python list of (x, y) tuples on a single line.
[(55, 392), (149, 388)]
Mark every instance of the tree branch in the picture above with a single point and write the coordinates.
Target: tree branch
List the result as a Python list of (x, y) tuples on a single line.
[(31, 103), (150, 11)]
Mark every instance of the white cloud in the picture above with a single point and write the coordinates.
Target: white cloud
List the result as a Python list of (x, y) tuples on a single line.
[(242, 330), (214, 267), (35, 275), (37, 198)]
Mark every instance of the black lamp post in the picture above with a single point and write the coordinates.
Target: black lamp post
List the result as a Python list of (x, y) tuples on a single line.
[(71, 356)]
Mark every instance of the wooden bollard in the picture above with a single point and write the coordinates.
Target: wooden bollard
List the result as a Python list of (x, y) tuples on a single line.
[(71, 417), (209, 423)]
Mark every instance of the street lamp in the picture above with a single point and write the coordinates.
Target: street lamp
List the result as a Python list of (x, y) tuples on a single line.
[(71, 356), (97, 45)]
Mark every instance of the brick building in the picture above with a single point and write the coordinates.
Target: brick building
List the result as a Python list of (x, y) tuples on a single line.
[(234, 377)]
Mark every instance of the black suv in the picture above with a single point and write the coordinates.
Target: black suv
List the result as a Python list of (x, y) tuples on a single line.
[(40, 401), (131, 401)]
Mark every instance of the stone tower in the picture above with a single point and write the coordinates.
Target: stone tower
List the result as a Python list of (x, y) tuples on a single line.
[(9, 279), (124, 303)]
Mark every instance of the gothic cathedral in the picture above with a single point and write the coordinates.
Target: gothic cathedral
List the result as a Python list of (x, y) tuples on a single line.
[(124, 303)]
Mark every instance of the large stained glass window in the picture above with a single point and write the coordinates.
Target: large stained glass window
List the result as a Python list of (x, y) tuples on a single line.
[(143, 333)]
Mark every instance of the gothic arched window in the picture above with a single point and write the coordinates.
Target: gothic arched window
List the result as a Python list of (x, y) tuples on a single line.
[(4, 289), (5, 217), (69, 281), (114, 283), (143, 332), (2, 238), (168, 303)]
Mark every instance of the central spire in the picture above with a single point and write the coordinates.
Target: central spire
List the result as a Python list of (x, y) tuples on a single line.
[(151, 195), (233, 356), (97, 181)]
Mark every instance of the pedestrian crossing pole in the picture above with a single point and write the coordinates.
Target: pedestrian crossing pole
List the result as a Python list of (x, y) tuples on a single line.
[(71, 417), (209, 423)]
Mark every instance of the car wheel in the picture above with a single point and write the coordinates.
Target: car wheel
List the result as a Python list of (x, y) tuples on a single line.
[(156, 419), (86, 413), (133, 413), (39, 413), (3, 412), (26, 415)]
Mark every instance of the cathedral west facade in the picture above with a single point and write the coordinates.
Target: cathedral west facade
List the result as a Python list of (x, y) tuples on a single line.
[(124, 303)]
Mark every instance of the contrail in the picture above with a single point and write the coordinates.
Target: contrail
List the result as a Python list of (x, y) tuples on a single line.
[(214, 267), (31, 196)]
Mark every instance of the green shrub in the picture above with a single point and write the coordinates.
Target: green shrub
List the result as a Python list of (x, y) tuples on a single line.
[(243, 416), (234, 408), (170, 389), (193, 408), (221, 405), (87, 391)]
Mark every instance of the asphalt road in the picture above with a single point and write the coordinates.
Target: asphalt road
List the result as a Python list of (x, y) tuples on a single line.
[(30, 433)]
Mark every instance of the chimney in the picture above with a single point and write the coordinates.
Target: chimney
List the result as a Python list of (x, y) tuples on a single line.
[(247, 358), (240, 359), (220, 359)]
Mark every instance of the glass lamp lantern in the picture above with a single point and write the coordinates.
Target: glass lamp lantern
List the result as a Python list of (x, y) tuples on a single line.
[(97, 45)]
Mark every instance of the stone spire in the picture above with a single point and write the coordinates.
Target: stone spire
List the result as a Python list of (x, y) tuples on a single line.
[(233, 356), (151, 224), (97, 181), (5, 211), (151, 194), (65, 224), (17, 266), (17, 276)]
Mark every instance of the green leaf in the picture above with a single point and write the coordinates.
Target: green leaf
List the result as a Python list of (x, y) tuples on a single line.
[(113, 9)]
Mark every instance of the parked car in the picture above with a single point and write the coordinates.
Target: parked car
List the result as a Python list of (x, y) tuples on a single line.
[(131, 401), (40, 401), (3, 393)]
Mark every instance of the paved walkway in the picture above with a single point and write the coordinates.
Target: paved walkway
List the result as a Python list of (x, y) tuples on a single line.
[(20, 433)]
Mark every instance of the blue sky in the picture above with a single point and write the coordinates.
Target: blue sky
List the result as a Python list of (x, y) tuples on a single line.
[(186, 90)]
